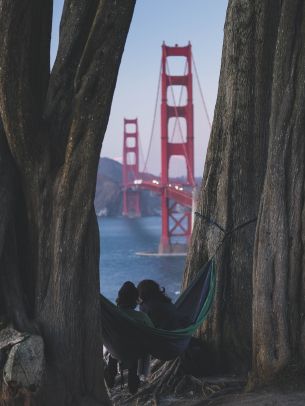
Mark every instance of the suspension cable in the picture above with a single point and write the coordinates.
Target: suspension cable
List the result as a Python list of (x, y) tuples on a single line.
[(154, 120), (201, 92)]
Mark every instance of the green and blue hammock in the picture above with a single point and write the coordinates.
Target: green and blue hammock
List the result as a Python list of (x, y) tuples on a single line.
[(127, 338)]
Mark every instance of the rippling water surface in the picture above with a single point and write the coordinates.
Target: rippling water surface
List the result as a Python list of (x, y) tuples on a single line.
[(121, 238)]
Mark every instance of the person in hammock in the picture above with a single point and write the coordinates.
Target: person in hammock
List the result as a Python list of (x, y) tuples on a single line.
[(162, 312), (159, 307), (127, 301)]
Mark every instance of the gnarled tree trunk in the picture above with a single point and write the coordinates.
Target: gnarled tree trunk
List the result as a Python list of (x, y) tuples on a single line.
[(279, 266), (53, 127), (254, 169)]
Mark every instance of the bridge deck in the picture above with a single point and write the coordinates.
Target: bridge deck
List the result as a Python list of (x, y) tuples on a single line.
[(173, 191)]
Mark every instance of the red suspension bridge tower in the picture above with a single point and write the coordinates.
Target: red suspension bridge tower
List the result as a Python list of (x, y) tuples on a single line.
[(176, 223), (176, 196), (131, 195)]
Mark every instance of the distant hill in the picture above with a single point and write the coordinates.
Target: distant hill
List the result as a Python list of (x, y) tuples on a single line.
[(108, 195), (108, 187), (110, 168)]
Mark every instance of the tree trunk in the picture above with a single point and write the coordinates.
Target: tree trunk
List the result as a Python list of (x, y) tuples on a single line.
[(254, 169), (279, 271), (53, 127)]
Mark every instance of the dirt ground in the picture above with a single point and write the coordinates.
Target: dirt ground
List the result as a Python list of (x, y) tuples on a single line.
[(226, 396), (241, 399), (244, 399), (262, 399)]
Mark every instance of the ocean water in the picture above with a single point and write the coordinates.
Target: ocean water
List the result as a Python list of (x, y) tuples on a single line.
[(121, 238)]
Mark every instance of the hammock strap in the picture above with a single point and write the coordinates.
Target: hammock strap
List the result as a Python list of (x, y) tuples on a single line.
[(210, 221), (226, 233)]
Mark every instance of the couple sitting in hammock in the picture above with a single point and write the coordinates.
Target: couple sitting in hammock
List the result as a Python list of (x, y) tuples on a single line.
[(156, 310)]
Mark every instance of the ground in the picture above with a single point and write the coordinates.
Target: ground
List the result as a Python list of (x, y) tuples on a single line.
[(219, 395)]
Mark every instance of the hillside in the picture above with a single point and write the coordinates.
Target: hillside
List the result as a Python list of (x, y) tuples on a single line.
[(108, 196)]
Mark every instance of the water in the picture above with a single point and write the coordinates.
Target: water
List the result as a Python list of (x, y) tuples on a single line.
[(121, 238)]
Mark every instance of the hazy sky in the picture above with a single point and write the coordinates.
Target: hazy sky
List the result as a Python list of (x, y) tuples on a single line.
[(175, 22)]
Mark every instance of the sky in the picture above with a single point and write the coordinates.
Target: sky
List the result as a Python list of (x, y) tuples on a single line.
[(176, 22)]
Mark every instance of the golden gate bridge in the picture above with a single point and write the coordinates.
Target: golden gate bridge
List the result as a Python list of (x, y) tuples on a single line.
[(177, 197)]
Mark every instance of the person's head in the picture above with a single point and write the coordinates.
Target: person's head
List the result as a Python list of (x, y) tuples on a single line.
[(150, 290), (127, 296)]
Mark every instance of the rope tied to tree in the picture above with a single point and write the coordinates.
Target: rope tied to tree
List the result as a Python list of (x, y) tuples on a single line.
[(214, 223), (210, 221), (226, 233)]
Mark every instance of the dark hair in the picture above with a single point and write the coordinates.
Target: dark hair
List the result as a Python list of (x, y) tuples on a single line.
[(127, 296), (150, 290)]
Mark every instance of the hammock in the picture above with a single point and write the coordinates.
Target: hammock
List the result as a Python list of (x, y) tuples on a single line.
[(127, 338)]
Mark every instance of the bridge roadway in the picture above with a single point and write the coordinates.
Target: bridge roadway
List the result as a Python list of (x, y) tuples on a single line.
[(173, 190)]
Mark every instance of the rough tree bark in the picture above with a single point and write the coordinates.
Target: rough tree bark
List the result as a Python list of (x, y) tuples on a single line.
[(53, 127), (254, 168), (279, 254)]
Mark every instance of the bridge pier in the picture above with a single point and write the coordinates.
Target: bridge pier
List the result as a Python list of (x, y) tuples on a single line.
[(167, 248), (131, 198)]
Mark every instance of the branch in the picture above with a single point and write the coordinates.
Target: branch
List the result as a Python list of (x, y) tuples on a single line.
[(92, 39), (25, 29)]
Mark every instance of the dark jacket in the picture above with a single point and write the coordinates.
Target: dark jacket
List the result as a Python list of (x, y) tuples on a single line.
[(163, 315)]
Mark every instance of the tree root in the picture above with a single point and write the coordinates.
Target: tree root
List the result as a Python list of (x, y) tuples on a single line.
[(168, 378)]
